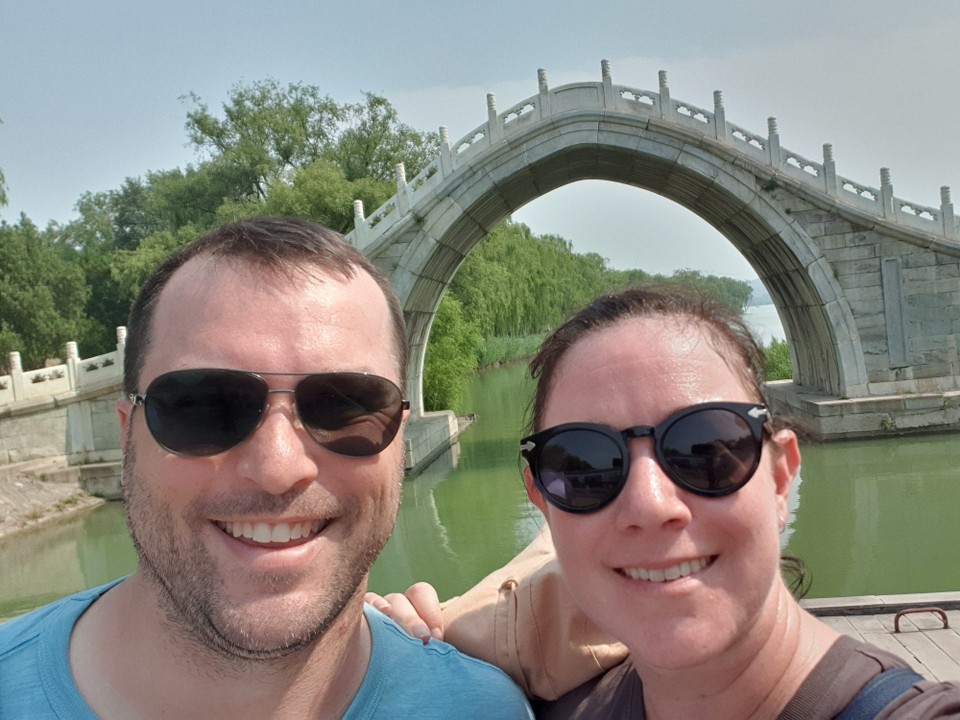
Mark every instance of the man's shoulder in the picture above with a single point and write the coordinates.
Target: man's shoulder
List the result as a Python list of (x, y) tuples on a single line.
[(435, 678), (24, 630)]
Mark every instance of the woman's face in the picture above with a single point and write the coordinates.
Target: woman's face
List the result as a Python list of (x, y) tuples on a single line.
[(638, 372)]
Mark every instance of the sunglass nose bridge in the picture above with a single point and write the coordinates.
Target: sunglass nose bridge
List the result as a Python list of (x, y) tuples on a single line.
[(638, 431)]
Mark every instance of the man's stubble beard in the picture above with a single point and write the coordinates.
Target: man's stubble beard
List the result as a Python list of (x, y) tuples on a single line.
[(189, 591)]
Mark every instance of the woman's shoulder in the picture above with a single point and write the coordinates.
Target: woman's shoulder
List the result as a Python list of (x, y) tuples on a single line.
[(847, 667), (614, 694)]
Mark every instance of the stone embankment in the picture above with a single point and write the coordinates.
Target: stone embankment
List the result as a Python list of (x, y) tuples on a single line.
[(32, 497)]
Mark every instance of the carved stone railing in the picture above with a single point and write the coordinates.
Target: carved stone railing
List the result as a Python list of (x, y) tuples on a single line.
[(820, 177), (74, 375)]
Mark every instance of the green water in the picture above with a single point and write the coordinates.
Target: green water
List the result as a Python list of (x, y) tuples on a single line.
[(867, 517)]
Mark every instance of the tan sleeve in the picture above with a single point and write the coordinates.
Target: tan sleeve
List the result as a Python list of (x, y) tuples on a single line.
[(522, 619)]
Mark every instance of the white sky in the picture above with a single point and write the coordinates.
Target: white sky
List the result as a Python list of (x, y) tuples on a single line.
[(89, 92)]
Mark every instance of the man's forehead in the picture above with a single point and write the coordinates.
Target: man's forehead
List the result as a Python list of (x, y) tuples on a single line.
[(217, 313)]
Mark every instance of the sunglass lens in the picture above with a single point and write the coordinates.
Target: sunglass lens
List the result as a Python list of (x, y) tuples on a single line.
[(200, 412), (711, 452), (350, 413), (580, 469)]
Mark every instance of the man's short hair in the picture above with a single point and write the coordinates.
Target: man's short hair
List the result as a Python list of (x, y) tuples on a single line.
[(278, 244)]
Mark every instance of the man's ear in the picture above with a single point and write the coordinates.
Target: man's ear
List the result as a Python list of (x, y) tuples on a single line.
[(124, 410)]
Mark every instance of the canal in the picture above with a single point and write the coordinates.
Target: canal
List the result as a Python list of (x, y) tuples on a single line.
[(867, 516)]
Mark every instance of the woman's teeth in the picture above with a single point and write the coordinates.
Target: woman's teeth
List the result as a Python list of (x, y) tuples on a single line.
[(674, 572)]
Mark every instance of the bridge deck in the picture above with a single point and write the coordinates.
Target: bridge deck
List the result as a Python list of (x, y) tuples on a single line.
[(932, 650)]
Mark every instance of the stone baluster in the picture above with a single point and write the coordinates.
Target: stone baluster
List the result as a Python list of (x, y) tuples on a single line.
[(403, 190), (666, 107), (609, 98), (829, 170), (360, 229), (773, 143), (543, 90), (73, 363), (946, 214), (719, 117), (121, 347), (494, 127), (886, 195), (446, 152), (16, 376)]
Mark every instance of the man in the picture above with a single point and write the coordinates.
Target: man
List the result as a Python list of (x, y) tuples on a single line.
[(262, 474)]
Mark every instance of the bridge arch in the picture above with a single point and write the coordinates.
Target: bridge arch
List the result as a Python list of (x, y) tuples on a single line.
[(794, 220)]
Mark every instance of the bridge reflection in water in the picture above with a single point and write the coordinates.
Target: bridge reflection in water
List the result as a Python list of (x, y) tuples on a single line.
[(870, 517)]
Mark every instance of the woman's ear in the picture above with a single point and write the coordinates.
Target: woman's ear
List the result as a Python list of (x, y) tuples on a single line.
[(786, 465), (533, 492)]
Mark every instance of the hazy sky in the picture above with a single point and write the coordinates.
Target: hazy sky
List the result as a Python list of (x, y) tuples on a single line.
[(90, 92)]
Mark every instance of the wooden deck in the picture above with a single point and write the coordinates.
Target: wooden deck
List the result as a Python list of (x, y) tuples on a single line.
[(932, 650)]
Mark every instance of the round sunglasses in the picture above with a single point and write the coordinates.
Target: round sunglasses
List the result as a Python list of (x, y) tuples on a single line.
[(206, 411), (711, 449)]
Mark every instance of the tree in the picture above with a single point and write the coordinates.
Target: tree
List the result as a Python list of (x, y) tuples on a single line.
[(268, 132), (451, 356), (43, 294), (373, 141)]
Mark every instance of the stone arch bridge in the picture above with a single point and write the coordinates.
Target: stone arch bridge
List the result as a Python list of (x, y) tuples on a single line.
[(865, 283)]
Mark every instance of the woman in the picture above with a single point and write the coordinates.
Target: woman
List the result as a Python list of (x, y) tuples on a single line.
[(664, 482)]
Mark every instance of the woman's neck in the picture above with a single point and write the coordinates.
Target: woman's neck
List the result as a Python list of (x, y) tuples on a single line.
[(753, 678)]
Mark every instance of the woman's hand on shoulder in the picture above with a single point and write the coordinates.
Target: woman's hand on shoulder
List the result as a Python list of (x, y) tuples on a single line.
[(417, 610)]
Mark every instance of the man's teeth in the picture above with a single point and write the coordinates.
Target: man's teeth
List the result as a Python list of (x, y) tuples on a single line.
[(262, 532), (674, 572)]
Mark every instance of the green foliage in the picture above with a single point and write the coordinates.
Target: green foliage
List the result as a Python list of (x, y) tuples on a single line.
[(322, 192), (498, 350), (42, 294), (734, 293), (451, 356), (777, 361), (268, 132)]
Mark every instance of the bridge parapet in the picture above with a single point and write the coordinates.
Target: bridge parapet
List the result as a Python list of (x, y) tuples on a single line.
[(75, 375), (691, 122)]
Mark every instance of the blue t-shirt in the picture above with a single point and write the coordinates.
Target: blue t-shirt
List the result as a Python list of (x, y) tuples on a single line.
[(405, 678)]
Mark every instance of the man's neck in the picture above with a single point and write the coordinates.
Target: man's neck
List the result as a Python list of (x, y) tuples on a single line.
[(128, 661)]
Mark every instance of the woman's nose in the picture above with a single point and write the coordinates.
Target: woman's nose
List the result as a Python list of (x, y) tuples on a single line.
[(650, 499)]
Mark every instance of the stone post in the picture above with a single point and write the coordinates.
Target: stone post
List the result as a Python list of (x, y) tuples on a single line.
[(16, 376), (121, 347), (946, 214), (609, 98), (666, 107), (886, 195), (719, 117), (494, 128), (403, 190), (73, 361), (773, 143), (446, 155), (543, 90), (360, 228), (829, 170)]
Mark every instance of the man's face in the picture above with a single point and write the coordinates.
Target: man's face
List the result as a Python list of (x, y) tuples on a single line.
[(239, 595)]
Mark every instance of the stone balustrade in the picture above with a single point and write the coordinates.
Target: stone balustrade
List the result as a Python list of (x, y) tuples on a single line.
[(657, 107), (74, 376)]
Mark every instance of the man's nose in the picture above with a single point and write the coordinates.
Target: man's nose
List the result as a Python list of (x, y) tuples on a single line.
[(278, 455)]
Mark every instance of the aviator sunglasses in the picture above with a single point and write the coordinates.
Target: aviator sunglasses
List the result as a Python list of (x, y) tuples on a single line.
[(711, 449), (202, 412)]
